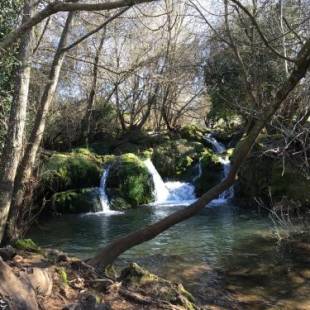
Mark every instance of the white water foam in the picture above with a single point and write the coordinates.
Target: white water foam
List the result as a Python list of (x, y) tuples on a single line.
[(170, 193), (219, 148)]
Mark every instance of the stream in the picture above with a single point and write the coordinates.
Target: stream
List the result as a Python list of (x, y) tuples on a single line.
[(226, 256)]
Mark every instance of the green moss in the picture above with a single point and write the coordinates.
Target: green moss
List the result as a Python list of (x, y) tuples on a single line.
[(77, 201), (175, 158), (129, 182), (211, 169), (27, 245), (63, 276), (290, 183), (136, 275), (64, 171), (193, 133)]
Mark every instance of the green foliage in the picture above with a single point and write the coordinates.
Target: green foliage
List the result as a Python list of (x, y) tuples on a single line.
[(77, 201), (129, 182), (9, 16), (27, 245)]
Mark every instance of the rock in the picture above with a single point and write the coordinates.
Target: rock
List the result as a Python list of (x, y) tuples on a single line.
[(261, 176), (7, 253), (68, 171), (87, 302), (77, 201), (175, 158), (27, 245), (145, 283), (192, 133), (16, 292), (62, 258), (40, 280), (211, 172), (129, 183)]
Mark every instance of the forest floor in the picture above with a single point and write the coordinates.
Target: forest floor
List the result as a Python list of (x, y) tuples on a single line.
[(52, 280)]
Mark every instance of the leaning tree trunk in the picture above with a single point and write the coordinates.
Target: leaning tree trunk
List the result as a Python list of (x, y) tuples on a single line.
[(28, 160), (108, 254), (14, 138)]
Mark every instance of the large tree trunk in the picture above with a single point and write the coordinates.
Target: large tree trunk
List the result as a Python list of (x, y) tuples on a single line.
[(14, 138), (92, 95), (28, 160), (108, 254)]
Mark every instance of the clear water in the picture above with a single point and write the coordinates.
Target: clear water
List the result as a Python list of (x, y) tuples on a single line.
[(225, 256)]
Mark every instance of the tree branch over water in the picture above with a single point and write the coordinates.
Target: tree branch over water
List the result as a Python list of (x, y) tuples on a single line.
[(109, 253)]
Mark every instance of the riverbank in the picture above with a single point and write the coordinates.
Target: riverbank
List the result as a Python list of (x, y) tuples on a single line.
[(34, 278), (225, 256)]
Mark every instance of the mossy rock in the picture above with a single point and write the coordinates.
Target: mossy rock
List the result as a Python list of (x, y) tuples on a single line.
[(192, 133), (78, 169), (174, 158), (254, 179), (289, 182), (129, 182), (261, 176), (77, 201), (211, 172), (141, 280), (27, 245)]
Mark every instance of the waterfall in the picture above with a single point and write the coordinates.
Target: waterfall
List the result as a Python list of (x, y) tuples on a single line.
[(161, 192), (170, 193), (104, 200), (199, 170), (219, 148)]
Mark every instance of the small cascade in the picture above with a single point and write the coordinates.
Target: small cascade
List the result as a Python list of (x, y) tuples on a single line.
[(170, 193), (104, 200), (161, 192), (219, 148), (199, 171)]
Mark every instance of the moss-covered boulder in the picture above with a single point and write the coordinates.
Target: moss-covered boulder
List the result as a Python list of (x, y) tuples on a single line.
[(264, 177), (77, 201), (27, 245), (78, 169), (192, 133), (289, 182), (174, 158), (129, 183), (146, 283), (211, 171)]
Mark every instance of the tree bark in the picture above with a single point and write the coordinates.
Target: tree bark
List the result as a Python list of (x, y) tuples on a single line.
[(92, 95), (14, 138), (28, 160), (108, 254)]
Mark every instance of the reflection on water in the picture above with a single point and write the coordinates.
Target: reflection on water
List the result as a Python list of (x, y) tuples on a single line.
[(224, 255)]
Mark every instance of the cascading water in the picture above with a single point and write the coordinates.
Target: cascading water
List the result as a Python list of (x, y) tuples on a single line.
[(219, 148), (161, 192), (104, 200), (170, 193)]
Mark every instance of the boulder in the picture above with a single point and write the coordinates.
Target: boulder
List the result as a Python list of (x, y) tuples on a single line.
[(156, 288), (129, 183), (77, 201), (64, 171), (174, 158)]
